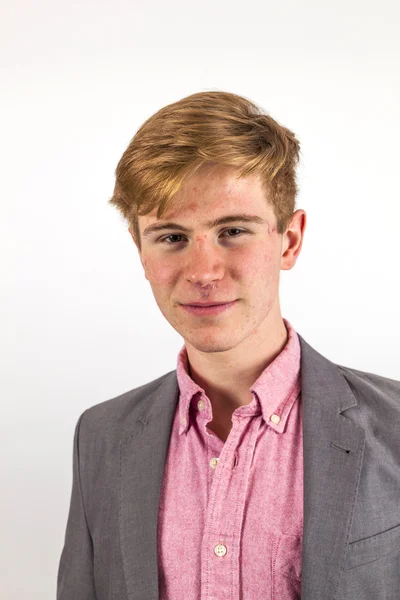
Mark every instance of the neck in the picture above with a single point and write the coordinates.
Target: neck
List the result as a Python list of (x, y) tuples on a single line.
[(226, 377)]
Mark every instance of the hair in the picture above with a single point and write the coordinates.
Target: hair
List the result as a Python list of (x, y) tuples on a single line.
[(206, 127)]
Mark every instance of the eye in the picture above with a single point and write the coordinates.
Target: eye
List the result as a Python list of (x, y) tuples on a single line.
[(235, 229), (163, 240)]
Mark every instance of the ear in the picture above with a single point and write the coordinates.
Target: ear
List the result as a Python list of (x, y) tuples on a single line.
[(292, 239)]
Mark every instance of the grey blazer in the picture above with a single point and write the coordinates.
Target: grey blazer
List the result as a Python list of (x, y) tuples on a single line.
[(351, 538)]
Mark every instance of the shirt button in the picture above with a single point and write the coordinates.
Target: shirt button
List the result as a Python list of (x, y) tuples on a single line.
[(200, 405), (275, 419), (214, 462), (220, 550), (184, 421)]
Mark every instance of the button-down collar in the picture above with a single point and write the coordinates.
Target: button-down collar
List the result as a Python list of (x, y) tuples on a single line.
[(274, 392)]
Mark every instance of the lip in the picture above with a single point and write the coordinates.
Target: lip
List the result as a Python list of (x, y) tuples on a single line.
[(205, 303), (213, 309)]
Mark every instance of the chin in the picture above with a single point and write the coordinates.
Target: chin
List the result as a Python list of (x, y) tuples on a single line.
[(211, 345)]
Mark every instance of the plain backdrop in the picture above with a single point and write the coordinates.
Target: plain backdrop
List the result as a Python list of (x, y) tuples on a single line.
[(79, 324)]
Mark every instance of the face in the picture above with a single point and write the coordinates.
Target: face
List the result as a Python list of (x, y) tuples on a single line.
[(237, 262)]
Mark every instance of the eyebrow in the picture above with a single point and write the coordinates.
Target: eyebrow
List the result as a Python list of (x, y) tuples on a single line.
[(207, 225)]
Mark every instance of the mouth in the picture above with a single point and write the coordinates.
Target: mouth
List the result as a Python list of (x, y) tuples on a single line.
[(208, 303), (208, 308)]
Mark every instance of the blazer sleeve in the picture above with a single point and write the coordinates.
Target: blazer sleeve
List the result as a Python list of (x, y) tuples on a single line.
[(75, 573)]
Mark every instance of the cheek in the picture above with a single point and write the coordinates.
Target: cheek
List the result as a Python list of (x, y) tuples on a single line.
[(158, 272), (257, 264)]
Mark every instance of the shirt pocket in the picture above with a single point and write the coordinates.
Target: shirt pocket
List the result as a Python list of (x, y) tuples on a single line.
[(372, 548), (286, 567)]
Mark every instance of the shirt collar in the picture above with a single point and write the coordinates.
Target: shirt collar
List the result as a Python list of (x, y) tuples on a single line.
[(275, 391)]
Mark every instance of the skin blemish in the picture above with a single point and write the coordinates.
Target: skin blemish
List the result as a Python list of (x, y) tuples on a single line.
[(272, 229)]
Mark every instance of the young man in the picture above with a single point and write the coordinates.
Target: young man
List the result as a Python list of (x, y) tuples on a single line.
[(258, 468)]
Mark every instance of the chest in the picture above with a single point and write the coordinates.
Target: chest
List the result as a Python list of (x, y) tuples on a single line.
[(230, 508)]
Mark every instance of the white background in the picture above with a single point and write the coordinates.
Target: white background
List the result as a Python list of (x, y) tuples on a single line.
[(79, 323)]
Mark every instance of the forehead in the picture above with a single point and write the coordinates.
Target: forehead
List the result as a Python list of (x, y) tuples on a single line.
[(210, 193)]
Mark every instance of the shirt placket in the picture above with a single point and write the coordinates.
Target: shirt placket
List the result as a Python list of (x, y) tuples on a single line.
[(223, 527)]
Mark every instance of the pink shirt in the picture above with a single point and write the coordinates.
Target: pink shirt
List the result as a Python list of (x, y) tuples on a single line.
[(231, 513)]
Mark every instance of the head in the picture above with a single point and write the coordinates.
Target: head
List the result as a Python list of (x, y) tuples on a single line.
[(194, 163)]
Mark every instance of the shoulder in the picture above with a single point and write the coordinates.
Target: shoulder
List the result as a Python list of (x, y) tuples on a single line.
[(372, 387), (115, 414), (378, 403)]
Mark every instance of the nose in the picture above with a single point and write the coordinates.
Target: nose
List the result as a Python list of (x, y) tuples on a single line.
[(204, 264)]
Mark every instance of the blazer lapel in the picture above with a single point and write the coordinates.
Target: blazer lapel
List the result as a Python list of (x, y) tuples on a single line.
[(333, 449), (142, 458)]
